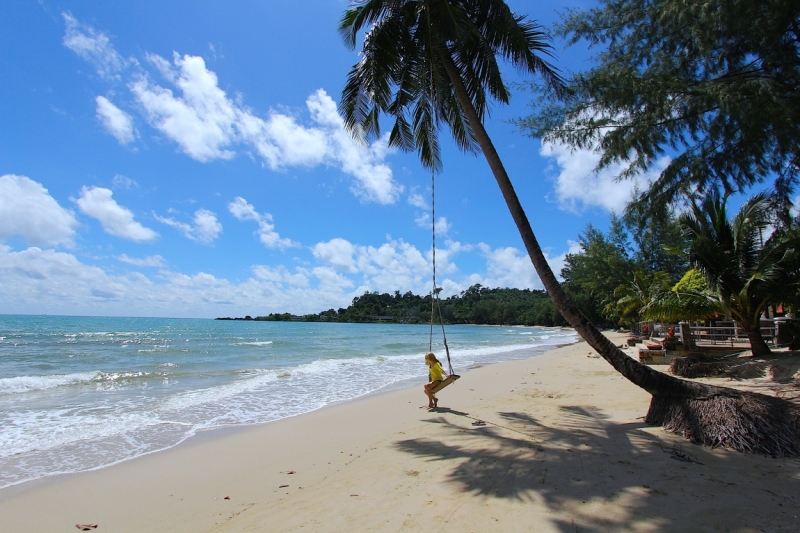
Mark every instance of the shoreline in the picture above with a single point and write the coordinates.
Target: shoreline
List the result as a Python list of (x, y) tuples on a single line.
[(211, 433), (563, 448)]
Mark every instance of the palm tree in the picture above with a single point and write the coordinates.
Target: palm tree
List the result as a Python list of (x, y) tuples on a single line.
[(744, 272), (635, 295), (689, 299), (428, 62)]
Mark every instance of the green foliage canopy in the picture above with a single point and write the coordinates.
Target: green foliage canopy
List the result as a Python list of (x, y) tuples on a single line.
[(607, 261), (744, 268), (717, 83), (476, 305)]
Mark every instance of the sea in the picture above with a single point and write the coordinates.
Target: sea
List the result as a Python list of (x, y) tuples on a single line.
[(81, 393)]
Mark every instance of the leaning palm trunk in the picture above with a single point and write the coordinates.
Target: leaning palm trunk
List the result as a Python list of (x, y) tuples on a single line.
[(709, 415)]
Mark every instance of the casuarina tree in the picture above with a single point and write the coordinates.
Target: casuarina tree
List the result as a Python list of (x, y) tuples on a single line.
[(713, 85), (427, 63)]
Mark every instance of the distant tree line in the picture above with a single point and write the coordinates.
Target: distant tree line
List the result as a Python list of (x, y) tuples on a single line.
[(476, 305)]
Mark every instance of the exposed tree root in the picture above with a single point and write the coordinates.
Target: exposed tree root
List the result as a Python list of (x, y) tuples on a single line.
[(696, 366), (744, 421)]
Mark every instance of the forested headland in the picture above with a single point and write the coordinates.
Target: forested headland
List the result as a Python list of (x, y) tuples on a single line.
[(476, 305)]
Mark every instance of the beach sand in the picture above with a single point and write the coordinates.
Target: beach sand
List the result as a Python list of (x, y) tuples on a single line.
[(564, 449)]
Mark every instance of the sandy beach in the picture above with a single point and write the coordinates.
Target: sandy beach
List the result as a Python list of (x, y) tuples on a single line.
[(563, 449)]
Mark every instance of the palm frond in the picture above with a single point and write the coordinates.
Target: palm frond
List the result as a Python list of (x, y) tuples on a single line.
[(671, 306)]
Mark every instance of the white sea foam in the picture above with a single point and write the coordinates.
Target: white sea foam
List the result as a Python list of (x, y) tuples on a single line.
[(22, 384), (216, 394)]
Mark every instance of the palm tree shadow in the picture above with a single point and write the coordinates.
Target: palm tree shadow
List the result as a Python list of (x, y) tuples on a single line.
[(580, 457)]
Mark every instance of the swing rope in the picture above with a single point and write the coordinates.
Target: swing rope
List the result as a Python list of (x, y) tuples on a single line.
[(436, 290)]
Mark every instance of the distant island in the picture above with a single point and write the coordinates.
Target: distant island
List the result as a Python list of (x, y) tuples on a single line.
[(476, 305)]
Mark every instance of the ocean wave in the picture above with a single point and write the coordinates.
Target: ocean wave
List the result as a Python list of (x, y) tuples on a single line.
[(22, 384), (253, 343), (186, 400), (127, 376)]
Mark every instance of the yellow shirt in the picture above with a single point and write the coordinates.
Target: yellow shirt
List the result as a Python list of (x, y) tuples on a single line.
[(436, 372)]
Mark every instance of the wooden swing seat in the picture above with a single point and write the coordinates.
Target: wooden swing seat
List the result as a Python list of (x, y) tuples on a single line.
[(450, 379)]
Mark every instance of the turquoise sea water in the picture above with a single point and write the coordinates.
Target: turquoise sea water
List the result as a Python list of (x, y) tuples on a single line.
[(78, 393)]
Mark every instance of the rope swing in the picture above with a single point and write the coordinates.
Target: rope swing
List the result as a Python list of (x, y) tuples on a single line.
[(435, 302)]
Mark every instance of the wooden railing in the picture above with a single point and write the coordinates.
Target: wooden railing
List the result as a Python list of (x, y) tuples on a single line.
[(728, 335)]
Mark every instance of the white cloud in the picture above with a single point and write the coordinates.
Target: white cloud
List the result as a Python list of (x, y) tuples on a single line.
[(394, 264), (417, 200), (282, 142), (373, 177), (330, 279), (27, 210), (337, 252), (266, 230), (508, 267), (116, 220), (511, 267), (444, 257), (208, 125), (149, 261), (201, 120), (205, 229), (93, 46), (46, 281), (442, 225), (281, 274), (123, 182), (578, 186), (115, 120), (206, 226)]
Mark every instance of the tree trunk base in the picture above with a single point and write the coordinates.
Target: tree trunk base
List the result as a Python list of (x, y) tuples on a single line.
[(744, 421)]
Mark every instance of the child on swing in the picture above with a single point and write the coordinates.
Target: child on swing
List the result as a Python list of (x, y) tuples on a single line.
[(436, 374)]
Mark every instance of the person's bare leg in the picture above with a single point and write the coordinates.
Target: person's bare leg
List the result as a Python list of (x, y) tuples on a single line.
[(429, 394)]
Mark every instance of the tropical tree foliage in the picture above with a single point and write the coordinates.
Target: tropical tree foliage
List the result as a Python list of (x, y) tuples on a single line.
[(432, 62), (745, 268), (607, 261), (717, 84), (689, 299), (632, 297), (476, 305)]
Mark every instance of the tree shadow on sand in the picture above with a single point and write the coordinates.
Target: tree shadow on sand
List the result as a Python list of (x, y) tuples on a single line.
[(596, 475)]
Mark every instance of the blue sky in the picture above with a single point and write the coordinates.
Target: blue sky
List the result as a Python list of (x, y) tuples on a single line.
[(187, 159)]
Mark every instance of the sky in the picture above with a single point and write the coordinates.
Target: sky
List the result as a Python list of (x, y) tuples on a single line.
[(187, 159)]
